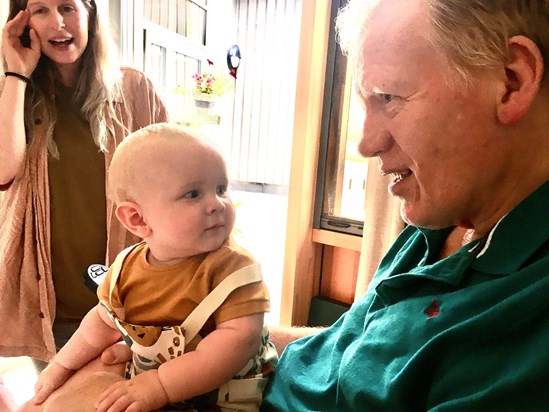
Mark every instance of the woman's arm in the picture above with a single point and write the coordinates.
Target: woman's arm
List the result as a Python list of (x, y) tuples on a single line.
[(23, 61)]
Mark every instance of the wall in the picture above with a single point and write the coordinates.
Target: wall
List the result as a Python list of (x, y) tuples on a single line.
[(339, 273), (3, 11), (302, 255)]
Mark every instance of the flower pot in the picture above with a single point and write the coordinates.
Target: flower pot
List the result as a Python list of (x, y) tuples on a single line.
[(205, 103)]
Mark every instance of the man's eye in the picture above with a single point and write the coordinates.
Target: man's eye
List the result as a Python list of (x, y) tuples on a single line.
[(221, 190), (388, 98), (191, 195), (68, 9)]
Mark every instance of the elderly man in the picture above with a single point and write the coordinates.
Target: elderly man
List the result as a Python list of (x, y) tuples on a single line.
[(457, 317)]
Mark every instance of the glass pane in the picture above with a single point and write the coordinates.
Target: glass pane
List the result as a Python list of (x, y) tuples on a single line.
[(342, 172), (181, 20), (156, 70), (196, 23), (185, 67), (344, 168), (355, 167)]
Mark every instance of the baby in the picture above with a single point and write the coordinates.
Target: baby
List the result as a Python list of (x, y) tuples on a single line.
[(187, 300)]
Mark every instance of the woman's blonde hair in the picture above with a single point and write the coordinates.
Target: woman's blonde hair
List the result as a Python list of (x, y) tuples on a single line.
[(97, 87), (470, 34)]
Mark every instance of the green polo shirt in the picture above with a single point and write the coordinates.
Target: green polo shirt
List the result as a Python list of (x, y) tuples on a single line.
[(467, 333)]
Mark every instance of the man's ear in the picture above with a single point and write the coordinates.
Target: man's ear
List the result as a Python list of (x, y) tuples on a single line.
[(131, 216), (523, 74)]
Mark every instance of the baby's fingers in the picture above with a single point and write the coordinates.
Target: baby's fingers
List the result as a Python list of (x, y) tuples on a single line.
[(114, 404), (109, 399)]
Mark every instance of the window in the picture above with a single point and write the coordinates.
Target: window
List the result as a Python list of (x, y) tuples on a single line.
[(175, 42), (170, 61), (340, 191)]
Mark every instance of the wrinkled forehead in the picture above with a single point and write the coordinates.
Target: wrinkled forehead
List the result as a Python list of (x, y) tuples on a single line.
[(393, 25), (395, 35)]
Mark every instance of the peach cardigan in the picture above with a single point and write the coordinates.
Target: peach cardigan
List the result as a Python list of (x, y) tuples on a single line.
[(27, 297)]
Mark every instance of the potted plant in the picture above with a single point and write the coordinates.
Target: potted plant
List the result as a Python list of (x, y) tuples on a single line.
[(209, 86)]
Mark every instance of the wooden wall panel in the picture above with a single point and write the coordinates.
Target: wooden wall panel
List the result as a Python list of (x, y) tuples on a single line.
[(339, 273)]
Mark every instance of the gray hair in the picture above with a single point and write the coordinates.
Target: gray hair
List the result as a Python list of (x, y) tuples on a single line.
[(470, 34)]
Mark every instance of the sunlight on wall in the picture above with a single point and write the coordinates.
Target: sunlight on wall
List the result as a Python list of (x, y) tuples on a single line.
[(3, 12)]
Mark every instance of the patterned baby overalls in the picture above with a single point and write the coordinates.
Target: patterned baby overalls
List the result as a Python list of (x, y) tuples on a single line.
[(154, 345)]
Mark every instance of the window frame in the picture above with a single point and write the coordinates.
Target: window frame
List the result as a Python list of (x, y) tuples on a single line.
[(331, 129)]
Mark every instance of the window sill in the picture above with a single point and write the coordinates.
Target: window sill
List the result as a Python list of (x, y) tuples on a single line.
[(194, 119), (327, 237)]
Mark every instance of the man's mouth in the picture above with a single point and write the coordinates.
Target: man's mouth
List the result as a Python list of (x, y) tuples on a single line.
[(399, 176)]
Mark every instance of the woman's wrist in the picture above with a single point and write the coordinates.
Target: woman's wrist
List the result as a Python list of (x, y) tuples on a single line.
[(19, 76)]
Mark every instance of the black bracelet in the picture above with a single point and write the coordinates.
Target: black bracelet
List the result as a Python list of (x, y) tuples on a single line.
[(19, 76)]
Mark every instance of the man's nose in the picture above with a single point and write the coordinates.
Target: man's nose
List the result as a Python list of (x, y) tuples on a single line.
[(375, 137)]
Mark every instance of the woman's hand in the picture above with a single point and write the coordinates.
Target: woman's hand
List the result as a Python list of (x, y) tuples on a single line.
[(20, 59)]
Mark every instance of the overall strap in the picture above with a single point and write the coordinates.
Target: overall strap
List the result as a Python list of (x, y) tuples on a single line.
[(116, 267), (198, 317)]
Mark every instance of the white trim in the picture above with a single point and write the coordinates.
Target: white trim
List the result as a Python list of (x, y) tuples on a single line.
[(489, 239)]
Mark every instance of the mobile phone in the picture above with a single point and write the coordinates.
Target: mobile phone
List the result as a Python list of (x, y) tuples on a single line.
[(25, 38)]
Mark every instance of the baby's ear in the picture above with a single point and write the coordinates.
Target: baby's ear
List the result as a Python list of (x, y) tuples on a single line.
[(130, 215)]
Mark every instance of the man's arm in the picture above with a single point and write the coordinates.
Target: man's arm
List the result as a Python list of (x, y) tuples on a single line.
[(281, 336)]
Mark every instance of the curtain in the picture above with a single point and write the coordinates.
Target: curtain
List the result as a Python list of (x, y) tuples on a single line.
[(382, 224)]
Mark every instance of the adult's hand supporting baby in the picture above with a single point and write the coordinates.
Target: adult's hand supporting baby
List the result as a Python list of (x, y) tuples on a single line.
[(117, 353), (49, 380)]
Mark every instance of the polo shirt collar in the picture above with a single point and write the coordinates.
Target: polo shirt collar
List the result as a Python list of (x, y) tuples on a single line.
[(517, 235)]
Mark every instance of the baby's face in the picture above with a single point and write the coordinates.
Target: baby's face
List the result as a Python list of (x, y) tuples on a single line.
[(185, 201)]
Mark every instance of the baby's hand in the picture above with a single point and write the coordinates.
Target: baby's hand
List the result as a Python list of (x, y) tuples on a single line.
[(49, 380), (142, 393)]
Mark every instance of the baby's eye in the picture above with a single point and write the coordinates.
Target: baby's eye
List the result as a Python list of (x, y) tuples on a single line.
[(221, 190), (193, 194)]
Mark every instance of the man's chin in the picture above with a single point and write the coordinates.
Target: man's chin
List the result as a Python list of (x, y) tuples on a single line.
[(416, 218)]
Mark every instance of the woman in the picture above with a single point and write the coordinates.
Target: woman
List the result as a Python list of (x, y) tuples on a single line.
[(65, 105)]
